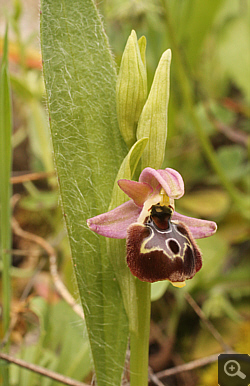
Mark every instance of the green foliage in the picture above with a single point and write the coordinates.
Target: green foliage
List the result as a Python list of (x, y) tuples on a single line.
[(5, 171), (83, 125), (5, 190), (62, 336)]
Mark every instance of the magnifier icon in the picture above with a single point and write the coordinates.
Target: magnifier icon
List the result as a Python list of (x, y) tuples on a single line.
[(234, 368)]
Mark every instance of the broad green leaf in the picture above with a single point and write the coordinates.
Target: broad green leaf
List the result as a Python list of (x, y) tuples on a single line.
[(88, 149)]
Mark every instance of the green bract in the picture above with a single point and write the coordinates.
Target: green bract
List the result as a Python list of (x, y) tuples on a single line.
[(131, 88), (153, 119), (139, 118)]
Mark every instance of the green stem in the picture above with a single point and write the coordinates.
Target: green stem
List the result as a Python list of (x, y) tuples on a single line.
[(5, 190), (139, 336), (188, 99)]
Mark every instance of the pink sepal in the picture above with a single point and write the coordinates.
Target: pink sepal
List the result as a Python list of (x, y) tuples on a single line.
[(199, 228), (114, 223)]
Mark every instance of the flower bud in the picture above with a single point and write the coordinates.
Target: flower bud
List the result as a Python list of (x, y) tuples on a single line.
[(131, 88), (153, 119)]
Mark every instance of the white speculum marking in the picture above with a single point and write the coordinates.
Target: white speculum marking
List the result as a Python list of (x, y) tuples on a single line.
[(160, 240)]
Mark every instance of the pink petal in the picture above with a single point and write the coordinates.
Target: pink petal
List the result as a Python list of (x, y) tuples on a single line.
[(114, 224), (138, 191), (199, 228), (169, 179)]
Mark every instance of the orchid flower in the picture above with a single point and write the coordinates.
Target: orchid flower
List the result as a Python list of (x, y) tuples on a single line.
[(160, 241)]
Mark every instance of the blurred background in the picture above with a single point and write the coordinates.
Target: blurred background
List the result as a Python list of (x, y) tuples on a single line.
[(208, 143)]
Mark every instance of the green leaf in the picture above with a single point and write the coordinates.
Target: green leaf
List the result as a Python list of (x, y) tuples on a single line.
[(153, 119), (5, 189), (80, 82)]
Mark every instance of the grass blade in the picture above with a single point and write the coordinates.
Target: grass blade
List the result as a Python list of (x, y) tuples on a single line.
[(5, 172), (5, 191)]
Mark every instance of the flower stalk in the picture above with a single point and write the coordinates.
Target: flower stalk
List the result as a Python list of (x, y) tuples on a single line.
[(139, 337)]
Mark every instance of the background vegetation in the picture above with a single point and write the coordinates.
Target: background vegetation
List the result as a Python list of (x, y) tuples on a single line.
[(208, 126)]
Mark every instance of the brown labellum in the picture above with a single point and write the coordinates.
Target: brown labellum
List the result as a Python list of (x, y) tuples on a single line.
[(161, 249)]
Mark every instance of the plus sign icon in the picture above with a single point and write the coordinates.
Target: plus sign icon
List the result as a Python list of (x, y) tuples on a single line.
[(234, 370)]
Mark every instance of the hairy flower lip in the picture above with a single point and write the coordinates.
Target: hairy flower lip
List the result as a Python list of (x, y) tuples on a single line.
[(165, 253)]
